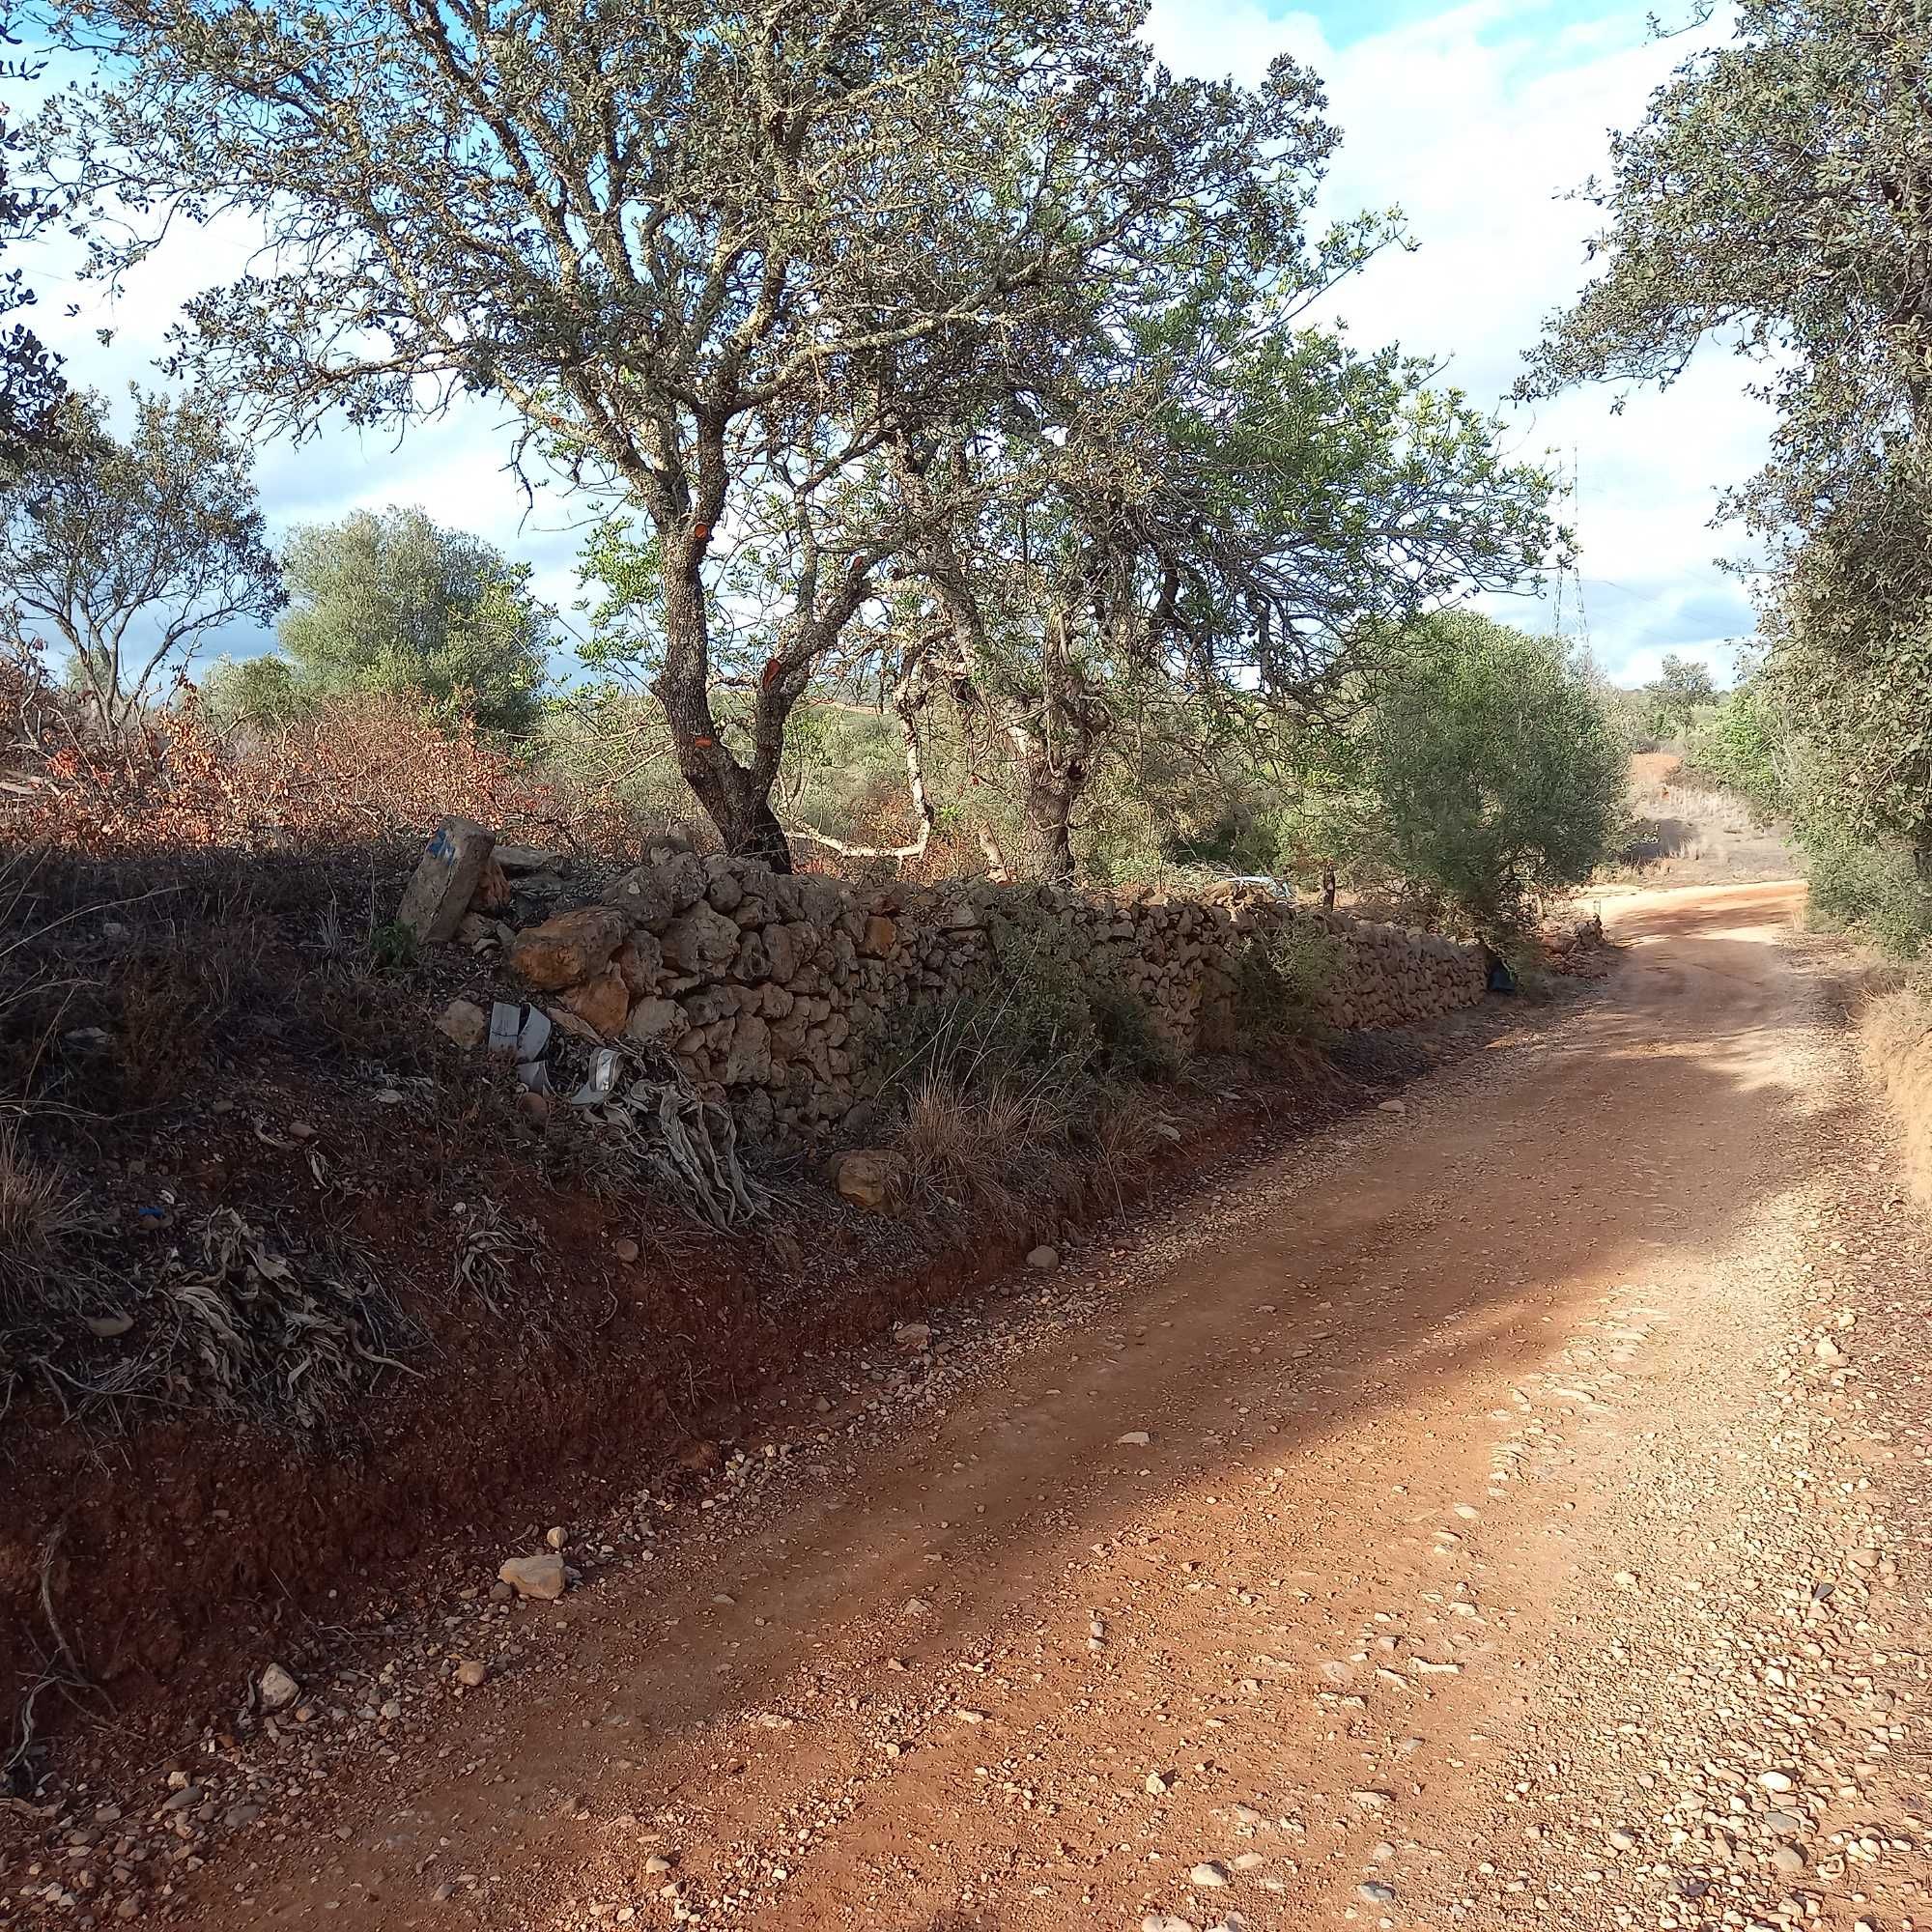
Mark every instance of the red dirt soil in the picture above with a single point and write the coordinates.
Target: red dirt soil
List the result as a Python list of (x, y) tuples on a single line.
[(188, 1552)]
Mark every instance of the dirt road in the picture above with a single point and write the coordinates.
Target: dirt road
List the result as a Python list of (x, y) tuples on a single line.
[(1480, 1515)]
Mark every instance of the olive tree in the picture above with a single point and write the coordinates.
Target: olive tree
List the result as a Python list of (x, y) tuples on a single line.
[(128, 555), (397, 605), (710, 254), (1211, 524), (1776, 198), (30, 379), (1486, 771)]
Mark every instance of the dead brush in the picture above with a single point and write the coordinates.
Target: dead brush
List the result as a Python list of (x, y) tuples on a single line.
[(191, 983), (681, 1144), (989, 1153), (290, 1340), (38, 1209), (494, 1257), (41, 1280), (229, 1321)]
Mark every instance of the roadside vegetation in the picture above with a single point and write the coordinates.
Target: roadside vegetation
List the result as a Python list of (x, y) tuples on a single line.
[(1770, 202), (972, 480), (967, 486), (999, 508)]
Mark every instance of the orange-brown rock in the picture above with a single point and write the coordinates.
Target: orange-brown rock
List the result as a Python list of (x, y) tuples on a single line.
[(603, 1003), (568, 948)]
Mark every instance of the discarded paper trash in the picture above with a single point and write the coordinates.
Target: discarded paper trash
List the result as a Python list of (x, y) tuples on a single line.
[(603, 1080), (535, 1035)]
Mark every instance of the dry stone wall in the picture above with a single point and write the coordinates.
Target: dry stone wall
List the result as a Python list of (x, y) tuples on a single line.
[(767, 987)]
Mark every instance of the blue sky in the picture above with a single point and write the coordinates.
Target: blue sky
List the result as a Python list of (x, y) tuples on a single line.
[(1476, 119)]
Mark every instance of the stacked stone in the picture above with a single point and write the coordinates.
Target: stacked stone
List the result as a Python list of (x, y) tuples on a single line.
[(1153, 946), (767, 985), (1391, 976), (752, 977)]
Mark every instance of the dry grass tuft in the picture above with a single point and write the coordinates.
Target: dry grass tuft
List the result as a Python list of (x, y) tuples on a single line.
[(495, 1256), (37, 1213), (988, 1154), (1126, 1130)]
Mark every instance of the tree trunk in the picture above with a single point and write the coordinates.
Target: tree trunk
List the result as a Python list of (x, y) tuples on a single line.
[(736, 799), (1050, 798), (1329, 887)]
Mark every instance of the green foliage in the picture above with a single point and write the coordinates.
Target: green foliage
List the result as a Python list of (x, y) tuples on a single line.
[(736, 265), (1773, 199), (1630, 717), (1041, 1022), (395, 606), (264, 691), (1872, 890), (1028, 1029), (1279, 981), (393, 948), (1489, 770), (1677, 697), (1849, 664), (1739, 745), (129, 554), (1132, 1047)]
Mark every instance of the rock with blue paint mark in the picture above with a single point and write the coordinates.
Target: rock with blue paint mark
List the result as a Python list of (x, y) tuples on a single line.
[(445, 879)]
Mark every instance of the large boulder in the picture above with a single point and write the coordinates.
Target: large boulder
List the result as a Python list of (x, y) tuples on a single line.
[(445, 879), (521, 859), (568, 948)]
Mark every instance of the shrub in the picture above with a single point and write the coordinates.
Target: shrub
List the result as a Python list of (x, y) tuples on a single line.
[(1871, 890), (1001, 1094), (1279, 981), (1493, 772), (345, 775), (392, 605), (990, 1152), (393, 947), (1132, 1046)]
